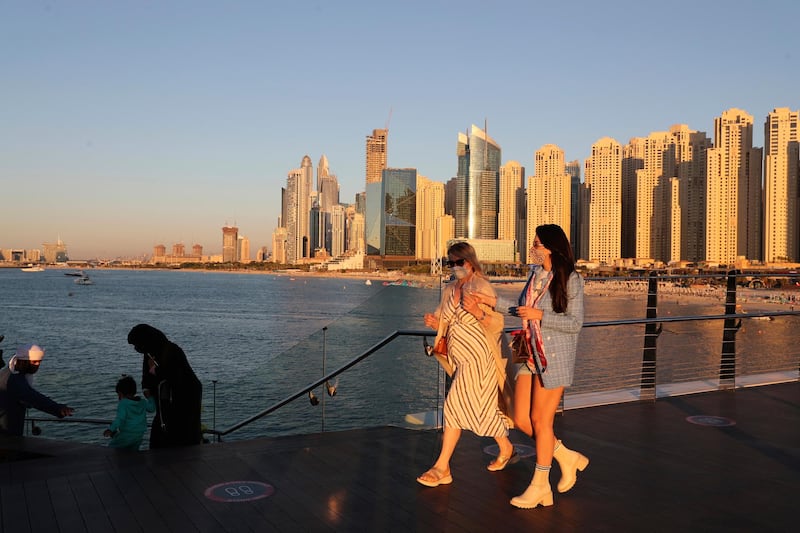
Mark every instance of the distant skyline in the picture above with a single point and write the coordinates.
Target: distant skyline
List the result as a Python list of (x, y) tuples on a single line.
[(130, 124)]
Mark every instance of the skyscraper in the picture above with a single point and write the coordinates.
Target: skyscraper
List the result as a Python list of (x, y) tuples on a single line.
[(511, 205), (355, 231), (399, 186), (733, 191), (374, 219), (55, 252), (279, 245), (377, 145), (654, 238), (430, 207), (230, 238), (476, 186), (632, 162), (243, 249), (327, 186), (603, 181), (667, 194), (337, 230), (781, 203), (573, 168), (691, 151), (298, 212), (549, 191)]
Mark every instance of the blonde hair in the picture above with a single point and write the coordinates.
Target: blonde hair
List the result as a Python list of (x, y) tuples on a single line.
[(464, 250)]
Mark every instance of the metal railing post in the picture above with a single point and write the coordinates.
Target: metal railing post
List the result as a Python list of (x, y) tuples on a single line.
[(647, 389), (214, 410), (727, 363), (324, 331)]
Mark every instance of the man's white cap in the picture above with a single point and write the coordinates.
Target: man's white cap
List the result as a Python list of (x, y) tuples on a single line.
[(30, 352)]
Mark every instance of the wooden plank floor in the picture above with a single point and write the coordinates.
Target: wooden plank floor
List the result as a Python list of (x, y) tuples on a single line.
[(651, 470)]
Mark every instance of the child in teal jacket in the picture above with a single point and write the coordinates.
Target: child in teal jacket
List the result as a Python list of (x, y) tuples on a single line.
[(127, 429)]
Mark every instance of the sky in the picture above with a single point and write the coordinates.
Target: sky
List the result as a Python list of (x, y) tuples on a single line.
[(128, 124)]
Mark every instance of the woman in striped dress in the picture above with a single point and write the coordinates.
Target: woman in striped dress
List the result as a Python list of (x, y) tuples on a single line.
[(473, 342)]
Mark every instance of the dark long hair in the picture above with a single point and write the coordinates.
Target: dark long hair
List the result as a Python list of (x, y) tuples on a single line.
[(554, 239)]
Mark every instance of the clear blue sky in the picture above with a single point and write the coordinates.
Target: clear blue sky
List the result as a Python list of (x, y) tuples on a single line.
[(125, 124)]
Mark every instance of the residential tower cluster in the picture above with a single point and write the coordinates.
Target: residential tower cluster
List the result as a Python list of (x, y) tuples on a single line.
[(671, 197)]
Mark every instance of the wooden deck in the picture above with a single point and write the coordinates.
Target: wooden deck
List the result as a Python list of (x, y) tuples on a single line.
[(651, 470)]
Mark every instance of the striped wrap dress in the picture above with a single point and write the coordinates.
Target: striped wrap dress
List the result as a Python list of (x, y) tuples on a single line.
[(472, 401)]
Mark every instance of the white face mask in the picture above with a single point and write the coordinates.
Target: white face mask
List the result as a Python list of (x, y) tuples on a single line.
[(459, 272)]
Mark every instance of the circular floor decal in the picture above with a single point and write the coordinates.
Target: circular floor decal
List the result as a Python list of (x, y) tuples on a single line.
[(239, 491), (714, 421), (522, 450)]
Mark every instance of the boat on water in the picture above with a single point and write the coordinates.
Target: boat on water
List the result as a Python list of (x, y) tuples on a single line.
[(84, 280), (368, 282), (77, 274), (32, 268)]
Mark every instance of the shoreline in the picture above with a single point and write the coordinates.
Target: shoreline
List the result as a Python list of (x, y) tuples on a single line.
[(786, 297)]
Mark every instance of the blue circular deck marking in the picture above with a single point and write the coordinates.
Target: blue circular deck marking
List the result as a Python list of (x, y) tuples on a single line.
[(708, 420), (523, 450), (239, 491)]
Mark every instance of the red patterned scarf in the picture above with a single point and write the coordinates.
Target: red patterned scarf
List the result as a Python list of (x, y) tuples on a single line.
[(533, 328)]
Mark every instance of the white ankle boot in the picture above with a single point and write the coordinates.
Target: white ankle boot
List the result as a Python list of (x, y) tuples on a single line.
[(570, 463), (538, 492)]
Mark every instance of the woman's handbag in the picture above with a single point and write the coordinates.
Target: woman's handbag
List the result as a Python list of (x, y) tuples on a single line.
[(441, 346), (520, 347), (439, 349)]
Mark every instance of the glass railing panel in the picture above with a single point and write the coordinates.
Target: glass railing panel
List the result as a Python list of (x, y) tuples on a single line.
[(251, 353), (396, 380), (609, 358), (689, 352), (765, 345)]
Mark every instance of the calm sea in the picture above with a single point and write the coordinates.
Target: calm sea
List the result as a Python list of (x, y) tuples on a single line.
[(254, 339)]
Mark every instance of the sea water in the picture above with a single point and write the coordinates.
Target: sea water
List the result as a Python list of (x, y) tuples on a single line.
[(255, 339)]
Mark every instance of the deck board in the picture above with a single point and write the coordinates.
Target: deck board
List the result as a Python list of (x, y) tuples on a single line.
[(650, 470), (92, 510)]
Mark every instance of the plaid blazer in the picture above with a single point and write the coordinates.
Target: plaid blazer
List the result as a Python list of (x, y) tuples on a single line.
[(560, 334)]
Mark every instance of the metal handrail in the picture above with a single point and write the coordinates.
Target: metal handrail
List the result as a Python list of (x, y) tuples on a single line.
[(654, 277), (318, 382), (423, 333)]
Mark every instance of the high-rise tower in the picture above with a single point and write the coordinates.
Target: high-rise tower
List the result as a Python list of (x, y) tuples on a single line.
[(376, 154), (691, 152), (298, 212), (781, 203), (632, 161), (476, 186), (573, 168), (549, 191), (603, 181), (733, 191), (511, 205), (230, 238), (430, 207), (327, 187), (654, 235)]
